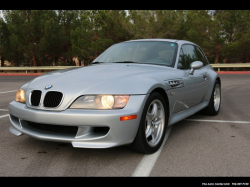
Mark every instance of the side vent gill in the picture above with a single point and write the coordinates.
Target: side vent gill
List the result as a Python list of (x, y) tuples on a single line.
[(174, 83)]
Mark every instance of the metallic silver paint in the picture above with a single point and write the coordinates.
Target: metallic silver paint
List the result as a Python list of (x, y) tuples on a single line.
[(14, 131), (121, 132), (192, 94), (176, 100), (195, 65), (188, 112)]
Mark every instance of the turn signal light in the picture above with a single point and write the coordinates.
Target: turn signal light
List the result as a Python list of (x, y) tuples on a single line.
[(124, 118)]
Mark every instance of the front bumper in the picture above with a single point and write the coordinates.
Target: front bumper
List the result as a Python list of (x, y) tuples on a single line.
[(119, 133)]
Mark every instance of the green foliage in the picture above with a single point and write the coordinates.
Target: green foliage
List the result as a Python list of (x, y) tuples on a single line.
[(47, 37), (155, 23), (4, 41)]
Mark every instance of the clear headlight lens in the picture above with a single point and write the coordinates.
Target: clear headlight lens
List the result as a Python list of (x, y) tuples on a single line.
[(20, 96), (107, 101), (101, 102)]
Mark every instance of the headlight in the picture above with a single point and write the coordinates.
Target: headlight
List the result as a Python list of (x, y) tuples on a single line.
[(101, 102), (20, 96)]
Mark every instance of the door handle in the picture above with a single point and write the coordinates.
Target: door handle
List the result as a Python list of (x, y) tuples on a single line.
[(205, 77)]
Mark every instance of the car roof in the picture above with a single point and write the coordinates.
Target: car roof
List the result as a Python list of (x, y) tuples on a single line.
[(163, 40)]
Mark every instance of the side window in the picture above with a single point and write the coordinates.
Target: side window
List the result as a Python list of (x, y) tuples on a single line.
[(181, 63), (189, 54), (200, 55)]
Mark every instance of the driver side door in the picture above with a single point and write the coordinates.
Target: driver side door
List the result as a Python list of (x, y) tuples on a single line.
[(196, 85)]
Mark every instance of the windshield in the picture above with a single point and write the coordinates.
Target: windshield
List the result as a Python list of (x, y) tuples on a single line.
[(145, 52)]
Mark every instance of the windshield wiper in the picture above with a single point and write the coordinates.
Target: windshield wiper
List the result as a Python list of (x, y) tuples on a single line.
[(125, 62), (96, 62)]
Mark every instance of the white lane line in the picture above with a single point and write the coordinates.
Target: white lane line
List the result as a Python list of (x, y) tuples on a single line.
[(8, 91), (4, 116), (217, 121), (4, 110), (148, 161)]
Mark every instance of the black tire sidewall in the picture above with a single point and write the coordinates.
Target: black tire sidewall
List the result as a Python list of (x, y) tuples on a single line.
[(217, 82), (142, 129), (211, 103)]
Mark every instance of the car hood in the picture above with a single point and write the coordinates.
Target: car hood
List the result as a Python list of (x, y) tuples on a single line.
[(120, 79)]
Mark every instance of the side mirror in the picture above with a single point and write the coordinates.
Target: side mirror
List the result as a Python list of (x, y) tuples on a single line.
[(195, 65)]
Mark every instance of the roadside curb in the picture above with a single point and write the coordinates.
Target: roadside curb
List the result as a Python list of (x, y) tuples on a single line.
[(20, 74), (233, 72)]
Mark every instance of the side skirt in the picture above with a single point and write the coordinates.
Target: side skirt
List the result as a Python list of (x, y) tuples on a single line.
[(186, 113)]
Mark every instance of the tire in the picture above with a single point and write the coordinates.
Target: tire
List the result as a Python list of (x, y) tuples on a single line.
[(213, 107), (153, 124)]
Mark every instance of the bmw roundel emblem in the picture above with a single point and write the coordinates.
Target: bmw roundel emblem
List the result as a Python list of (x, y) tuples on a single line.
[(48, 87)]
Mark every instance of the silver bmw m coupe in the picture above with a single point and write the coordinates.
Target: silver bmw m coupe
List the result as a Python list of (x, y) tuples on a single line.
[(130, 94)]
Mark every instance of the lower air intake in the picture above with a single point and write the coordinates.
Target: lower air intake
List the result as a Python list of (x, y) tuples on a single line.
[(53, 128)]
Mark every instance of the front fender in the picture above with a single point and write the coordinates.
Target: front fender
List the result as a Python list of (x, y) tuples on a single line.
[(212, 77)]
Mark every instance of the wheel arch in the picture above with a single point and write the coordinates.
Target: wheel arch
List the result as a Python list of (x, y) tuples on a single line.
[(139, 142), (218, 78), (164, 95)]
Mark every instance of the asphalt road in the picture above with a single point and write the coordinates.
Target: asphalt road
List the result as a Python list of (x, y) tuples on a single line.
[(193, 148)]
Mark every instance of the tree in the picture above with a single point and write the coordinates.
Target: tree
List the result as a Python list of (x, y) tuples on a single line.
[(45, 37), (203, 28), (4, 41), (25, 29), (69, 20), (98, 30), (236, 26), (155, 23)]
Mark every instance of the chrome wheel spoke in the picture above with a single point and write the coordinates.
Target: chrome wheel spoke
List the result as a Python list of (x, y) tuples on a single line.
[(148, 123), (153, 112), (158, 114), (155, 133), (157, 123), (149, 133), (217, 97), (155, 120), (153, 138), (149, 117), (147, 128)]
